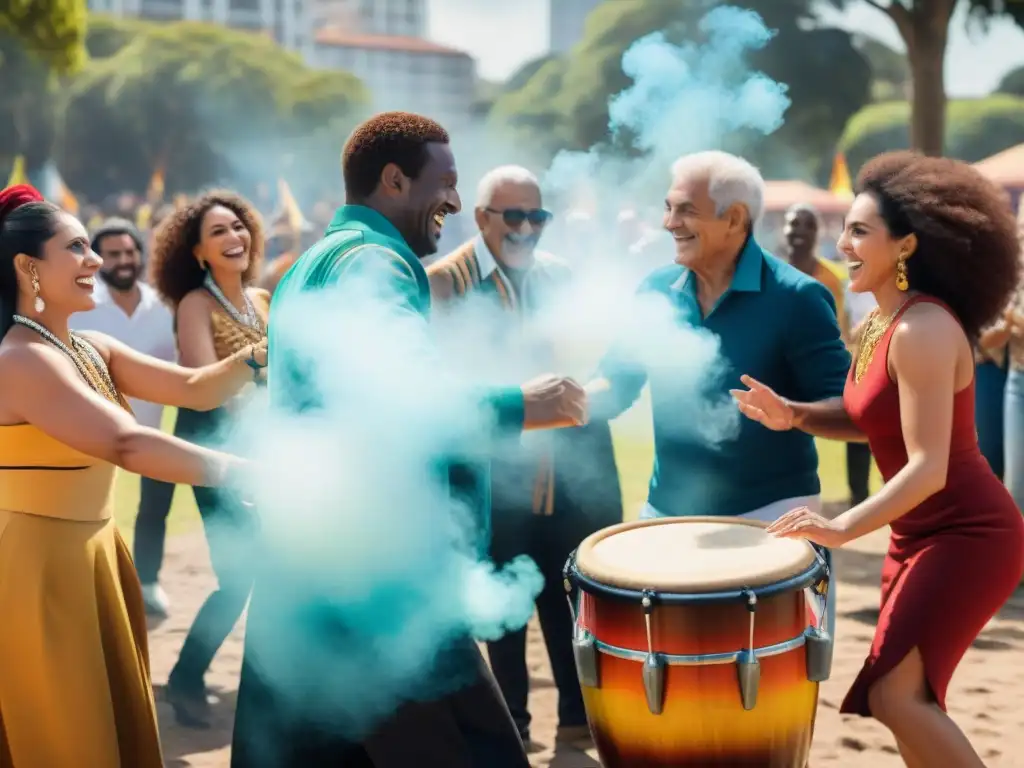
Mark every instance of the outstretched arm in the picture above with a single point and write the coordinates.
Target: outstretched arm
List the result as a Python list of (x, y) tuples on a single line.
[(157, 381), (827, 418), (44, 390)]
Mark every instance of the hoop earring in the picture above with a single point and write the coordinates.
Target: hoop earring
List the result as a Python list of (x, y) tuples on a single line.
[(901, 274), (38, 304)]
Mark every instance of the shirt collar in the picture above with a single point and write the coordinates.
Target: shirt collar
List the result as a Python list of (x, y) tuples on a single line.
[(365, 218), (484, 258), (745, 279), (102, 296)]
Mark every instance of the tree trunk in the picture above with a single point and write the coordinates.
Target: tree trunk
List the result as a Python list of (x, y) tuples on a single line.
[(926, 51)]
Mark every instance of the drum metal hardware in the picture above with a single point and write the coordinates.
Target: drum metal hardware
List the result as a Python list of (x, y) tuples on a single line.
[(695, 659), (748, 668), (654, 665), (819, 642), (584, 650)]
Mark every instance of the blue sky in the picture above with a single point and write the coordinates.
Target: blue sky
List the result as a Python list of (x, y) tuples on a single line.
[(503, 35)]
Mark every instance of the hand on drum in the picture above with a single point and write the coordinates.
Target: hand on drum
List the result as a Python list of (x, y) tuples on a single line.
[(763, 405), (802, 523)]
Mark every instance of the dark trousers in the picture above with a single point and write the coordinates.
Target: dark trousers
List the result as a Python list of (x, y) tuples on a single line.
[(548, 540), (858, 471), (230, 530), (288, 724), (989, 413), (151, 528)]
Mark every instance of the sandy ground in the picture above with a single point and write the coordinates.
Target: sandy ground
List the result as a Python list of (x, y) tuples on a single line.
[(986, 698)]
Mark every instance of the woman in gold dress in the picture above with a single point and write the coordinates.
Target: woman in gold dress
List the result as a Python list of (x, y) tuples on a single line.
[(204, 259), (74, 666)]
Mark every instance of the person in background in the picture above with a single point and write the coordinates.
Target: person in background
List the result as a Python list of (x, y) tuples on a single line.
[(800, 232), (130, 311), (550, 493), (203, 265), (74, 659), (858, 454), (1012, 328)]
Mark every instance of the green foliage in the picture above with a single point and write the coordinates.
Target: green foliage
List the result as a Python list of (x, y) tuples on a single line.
[(975, 128), (564, 103), (52, 30), (1012, 82), (207, 103), (890, 70), (38, 39)]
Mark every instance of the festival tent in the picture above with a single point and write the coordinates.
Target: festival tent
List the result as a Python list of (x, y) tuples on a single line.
[(1005, 168), (780, 195)]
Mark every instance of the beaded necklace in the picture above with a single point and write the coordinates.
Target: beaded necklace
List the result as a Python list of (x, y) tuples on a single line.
[(83, 355)]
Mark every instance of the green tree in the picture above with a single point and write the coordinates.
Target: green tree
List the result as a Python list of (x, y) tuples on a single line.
[(1012, 82), (924, 27), (890, 72), (564, 104), (39, 39), (205, 103), (975, 128)]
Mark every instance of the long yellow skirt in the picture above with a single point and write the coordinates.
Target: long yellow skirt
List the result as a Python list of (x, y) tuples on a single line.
[(75, 688)]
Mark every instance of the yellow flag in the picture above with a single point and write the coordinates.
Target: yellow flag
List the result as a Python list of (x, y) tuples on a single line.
[(155, 191), (18, 175), (840, 184), (66, 200), (293, 214)]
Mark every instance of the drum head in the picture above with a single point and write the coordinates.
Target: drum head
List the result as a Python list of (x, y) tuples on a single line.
[(691, 554)]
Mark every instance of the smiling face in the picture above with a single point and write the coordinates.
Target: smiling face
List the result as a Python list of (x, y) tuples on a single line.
[(701, 236), (428, 199), (66, 271), (224, 242), (122, 261), (505, 223), (801, 232), (870, 249)]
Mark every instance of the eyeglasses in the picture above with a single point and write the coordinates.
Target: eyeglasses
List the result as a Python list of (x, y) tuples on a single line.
[(514, 217)]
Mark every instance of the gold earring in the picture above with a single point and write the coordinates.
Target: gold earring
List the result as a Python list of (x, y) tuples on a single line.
[(901, 273), (38, 305)]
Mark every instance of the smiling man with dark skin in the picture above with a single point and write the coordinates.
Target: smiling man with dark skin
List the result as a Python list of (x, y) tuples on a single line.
[(400, 182)]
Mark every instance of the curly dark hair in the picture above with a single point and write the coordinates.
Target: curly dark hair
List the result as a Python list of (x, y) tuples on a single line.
[(968, 254), (173, 268), (390, 137)]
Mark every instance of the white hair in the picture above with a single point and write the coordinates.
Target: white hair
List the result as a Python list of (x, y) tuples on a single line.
[(731, 180), (503, 174)]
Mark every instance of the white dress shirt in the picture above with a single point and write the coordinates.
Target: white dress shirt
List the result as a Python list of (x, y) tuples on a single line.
[(149, 330)]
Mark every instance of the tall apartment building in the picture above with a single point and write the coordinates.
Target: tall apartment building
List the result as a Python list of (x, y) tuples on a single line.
[(288, 21), (404, 18), (566, 19)]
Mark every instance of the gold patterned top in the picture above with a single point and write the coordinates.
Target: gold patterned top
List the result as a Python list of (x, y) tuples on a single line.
[(229, 336)]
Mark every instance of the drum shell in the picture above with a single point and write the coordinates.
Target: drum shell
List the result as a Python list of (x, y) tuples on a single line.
[(703, 722)]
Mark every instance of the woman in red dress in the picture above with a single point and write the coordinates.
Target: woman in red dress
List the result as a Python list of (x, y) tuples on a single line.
[(936, 244)]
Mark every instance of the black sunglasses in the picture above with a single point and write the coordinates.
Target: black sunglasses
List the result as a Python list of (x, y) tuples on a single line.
[(514, 217)]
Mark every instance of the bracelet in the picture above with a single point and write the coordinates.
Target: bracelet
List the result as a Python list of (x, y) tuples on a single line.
[(252, 363)]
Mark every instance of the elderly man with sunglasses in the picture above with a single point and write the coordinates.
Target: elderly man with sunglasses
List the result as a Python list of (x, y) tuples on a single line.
[(548, 493)]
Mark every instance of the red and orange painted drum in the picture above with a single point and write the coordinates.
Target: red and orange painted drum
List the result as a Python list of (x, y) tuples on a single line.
[(699, 642)]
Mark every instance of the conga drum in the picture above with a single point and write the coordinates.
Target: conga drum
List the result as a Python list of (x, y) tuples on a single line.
[(699, 641)]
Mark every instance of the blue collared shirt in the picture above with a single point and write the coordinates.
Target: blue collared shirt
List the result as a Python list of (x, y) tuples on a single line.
[(774, 323)]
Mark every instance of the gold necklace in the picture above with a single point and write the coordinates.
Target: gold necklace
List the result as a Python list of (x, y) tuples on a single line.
[(874, 330), (84, 356)]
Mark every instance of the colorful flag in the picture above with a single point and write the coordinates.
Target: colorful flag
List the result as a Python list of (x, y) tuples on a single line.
[(840, 184), (18, 175)]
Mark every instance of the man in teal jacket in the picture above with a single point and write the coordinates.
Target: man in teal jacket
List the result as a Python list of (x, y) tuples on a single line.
[(400, 180)]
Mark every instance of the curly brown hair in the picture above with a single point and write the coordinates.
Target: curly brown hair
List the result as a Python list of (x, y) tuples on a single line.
[(968, 255), (390, 137), (173, 268)]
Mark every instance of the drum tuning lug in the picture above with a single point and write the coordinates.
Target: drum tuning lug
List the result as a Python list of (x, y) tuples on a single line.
[(585, 652), (748, 669), (819, 654), (654, 682)]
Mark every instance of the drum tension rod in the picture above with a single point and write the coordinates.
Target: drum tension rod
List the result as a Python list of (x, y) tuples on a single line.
[(654, 664), (748, 668)]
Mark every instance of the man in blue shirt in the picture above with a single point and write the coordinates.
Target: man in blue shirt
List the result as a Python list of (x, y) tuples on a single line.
[(772, 322)]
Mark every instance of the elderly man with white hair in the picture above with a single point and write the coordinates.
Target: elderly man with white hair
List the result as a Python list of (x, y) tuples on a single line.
[(547, 494), (773, 323)]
